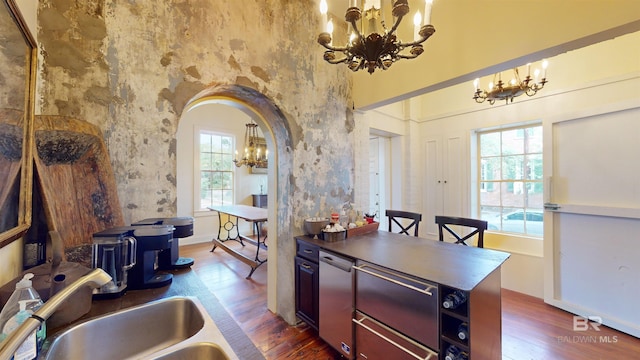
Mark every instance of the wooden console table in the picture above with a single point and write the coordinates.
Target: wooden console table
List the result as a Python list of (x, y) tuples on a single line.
[(229, 223)]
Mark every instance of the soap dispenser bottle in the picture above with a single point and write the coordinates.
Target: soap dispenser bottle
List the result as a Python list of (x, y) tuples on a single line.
[(24, 301)]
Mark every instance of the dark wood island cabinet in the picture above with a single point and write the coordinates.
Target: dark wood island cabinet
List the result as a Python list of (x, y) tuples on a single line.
[(306, 277), (397, 273)]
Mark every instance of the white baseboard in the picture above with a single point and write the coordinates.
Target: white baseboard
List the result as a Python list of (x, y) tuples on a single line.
[(195, 240)]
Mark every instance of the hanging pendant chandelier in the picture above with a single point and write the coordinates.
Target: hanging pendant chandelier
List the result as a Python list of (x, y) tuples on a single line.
[(514, 88), (374, 50), (253, 154)]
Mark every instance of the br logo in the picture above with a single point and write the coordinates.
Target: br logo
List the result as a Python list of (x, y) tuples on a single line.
[(581, 323)]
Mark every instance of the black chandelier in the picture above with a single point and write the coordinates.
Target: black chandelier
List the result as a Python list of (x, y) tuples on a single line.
[(252, 153), (514, 88), (375, 50)]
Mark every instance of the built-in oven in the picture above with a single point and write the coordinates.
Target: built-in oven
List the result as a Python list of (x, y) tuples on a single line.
[(394, 310)]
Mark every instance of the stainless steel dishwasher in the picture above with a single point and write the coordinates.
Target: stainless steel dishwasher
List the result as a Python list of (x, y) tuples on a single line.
[(336, 302)]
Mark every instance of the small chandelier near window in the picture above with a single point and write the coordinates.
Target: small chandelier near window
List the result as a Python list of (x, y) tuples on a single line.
[(253, 155), (375, 49), (515, 87)]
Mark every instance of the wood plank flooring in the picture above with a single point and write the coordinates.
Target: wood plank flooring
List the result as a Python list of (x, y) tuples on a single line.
[(531, 329)]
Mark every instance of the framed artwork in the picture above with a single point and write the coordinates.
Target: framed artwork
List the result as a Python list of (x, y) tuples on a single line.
[(18, 59)]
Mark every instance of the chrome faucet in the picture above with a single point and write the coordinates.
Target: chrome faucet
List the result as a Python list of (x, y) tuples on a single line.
[(95, 279)]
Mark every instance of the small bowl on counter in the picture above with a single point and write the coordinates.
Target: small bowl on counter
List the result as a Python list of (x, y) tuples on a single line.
[(314, 226), (331, 236), (334, 232)]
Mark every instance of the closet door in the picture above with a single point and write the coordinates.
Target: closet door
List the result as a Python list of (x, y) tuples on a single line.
[(379, 178), (592, 222), (433, 185), (456, 176), (446, 175)]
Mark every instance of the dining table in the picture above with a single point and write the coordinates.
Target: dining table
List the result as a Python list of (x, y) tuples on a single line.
[(228, 216)]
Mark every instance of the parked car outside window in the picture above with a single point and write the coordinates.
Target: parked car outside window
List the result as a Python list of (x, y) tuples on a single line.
[(520, 221)]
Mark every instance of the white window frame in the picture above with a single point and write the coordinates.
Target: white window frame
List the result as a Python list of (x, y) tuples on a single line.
[(479, 188), (197, 168)]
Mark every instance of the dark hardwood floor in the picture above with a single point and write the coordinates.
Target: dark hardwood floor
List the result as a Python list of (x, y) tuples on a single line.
[(531, 329)]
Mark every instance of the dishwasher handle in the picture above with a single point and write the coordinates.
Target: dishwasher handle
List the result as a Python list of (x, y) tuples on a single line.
[(426, 290), (335, 261)]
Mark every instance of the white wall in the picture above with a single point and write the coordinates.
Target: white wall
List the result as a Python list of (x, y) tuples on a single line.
[(591, 77), (215, 117)]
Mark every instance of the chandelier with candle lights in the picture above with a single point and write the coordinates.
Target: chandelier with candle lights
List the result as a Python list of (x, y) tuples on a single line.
[(514, 88), (252, 151), (374, 50)]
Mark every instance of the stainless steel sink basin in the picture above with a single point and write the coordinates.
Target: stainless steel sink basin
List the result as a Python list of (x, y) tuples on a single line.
[(159, 329), (207, 351)]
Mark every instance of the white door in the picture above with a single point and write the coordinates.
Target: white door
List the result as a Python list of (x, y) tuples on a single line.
[(374, 177), (378, 174), (445, 180), (433, 196), (592, 222)]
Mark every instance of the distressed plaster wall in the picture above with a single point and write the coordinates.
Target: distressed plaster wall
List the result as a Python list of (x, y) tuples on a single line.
[(14, 62), (131, 66)]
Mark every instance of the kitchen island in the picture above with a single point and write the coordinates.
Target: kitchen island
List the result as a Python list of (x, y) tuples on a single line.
[(400, 283)]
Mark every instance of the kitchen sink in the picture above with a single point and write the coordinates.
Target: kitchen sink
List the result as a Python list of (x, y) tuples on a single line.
[(171, 328), (207, 351)]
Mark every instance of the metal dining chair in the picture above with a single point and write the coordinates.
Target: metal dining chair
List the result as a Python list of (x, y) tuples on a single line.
[(476, 226), (395, 215)]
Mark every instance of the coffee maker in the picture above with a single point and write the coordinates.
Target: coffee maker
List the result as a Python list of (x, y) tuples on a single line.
[(151, 239), (114, 251), (169, 259)]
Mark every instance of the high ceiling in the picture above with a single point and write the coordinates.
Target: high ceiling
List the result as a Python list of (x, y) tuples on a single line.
[(476, 38)]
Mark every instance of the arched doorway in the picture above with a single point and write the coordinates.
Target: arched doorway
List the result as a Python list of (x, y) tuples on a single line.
[(276, 129)]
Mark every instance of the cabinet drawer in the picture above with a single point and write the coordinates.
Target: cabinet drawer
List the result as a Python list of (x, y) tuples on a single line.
[(308, 251), (377, 341), (400, 301)]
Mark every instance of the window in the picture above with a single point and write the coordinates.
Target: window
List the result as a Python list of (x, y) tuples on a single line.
[(510, 179), (216, 169)]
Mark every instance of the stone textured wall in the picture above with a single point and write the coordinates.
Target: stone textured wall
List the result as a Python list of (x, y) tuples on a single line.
[(131, 66), (14, 62)]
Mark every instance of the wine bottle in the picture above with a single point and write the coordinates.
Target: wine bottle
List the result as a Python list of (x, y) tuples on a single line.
[(463, 331), (454, 299), (454, 353)]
